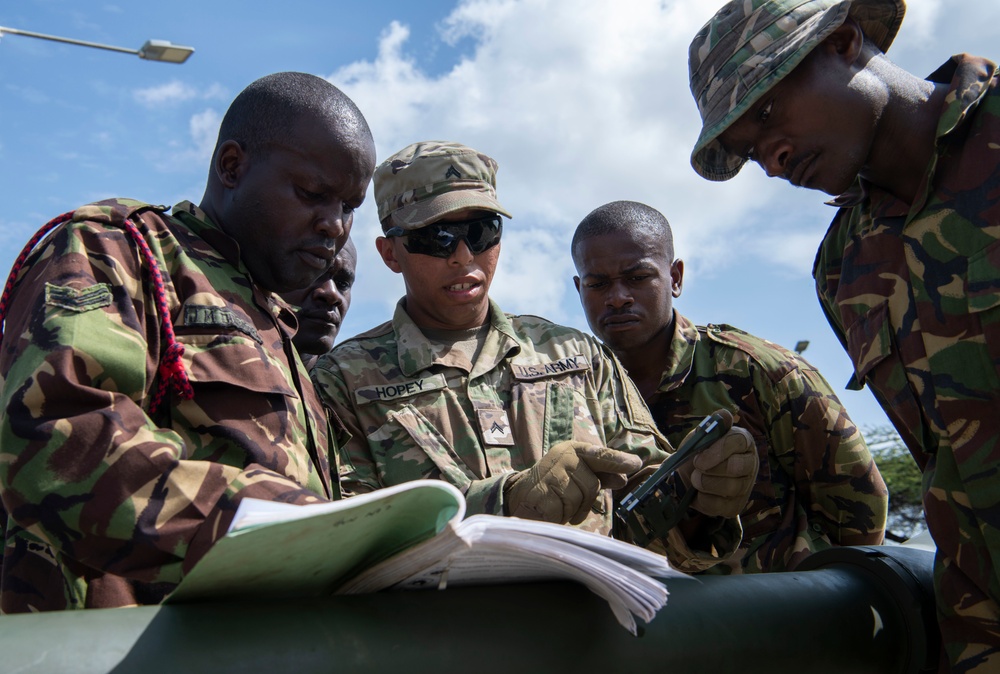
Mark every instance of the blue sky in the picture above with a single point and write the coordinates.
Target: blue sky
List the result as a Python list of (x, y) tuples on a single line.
[(581, 103)]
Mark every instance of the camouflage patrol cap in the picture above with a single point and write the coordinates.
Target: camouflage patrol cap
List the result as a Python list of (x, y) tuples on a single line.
[(749, 45), (425, 181)]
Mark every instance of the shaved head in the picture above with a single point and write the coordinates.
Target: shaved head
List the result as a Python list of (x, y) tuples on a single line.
[(268, 108), (637, 221)]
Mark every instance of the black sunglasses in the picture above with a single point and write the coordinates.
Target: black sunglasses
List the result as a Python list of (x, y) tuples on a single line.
[(441, 239)]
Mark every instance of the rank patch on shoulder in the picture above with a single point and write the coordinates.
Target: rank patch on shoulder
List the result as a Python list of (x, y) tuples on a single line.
[(541, 370), (494, 427), (395, 390), (78, 299)]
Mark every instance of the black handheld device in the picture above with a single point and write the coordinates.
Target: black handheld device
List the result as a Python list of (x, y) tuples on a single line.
[(712, 428)]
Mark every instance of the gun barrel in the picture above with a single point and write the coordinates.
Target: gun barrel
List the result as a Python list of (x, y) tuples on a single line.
[(861, 610)]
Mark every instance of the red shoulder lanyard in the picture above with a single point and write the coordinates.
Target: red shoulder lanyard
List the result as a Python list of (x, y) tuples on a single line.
[(171, 367)]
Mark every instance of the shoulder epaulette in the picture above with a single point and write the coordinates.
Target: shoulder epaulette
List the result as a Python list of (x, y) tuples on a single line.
[(121, 212), (775, 360)]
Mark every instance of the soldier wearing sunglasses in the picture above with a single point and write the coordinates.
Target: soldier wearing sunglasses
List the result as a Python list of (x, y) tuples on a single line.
[(526, 417)]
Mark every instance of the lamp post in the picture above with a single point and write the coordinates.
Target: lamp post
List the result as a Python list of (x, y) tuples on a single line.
[(152, 50)]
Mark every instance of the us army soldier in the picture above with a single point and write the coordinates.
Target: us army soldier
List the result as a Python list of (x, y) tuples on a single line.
[(526, 417)]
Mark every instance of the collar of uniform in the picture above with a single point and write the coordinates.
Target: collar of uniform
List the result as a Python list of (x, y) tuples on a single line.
[(681, 355), (969, 78), (417, 353), (197, 220), (225, 247), (283, 311), (854, 195), (501, 342)]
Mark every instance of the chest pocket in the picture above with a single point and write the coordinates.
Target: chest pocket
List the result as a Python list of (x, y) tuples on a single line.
[(246, 411), (877, 362), (232, 360), (549, 405), (409, 447)]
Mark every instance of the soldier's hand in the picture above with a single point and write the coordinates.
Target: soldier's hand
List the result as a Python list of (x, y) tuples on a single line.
[(723, 474), (564, 484)]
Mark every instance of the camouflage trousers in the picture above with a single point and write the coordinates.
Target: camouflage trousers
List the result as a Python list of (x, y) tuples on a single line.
[(962, 505)]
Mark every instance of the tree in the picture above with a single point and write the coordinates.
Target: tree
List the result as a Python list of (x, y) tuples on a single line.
[(904, 480)]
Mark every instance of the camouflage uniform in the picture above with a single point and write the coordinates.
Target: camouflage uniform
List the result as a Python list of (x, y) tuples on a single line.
[(106, 506), (417, 409), (913, 291), (817, 483)]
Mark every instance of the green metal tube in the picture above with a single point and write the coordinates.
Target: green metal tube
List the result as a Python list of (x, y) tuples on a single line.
[(821, 620)]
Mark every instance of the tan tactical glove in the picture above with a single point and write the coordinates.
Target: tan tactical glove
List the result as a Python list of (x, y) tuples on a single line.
[(564, 484), (723, 474)]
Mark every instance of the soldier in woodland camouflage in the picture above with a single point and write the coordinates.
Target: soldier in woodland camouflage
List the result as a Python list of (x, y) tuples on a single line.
[(526, 417), (321, 308), (817, 484), (149, 378), (909, 271)]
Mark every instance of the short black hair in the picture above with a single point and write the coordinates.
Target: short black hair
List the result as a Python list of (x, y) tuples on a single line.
[(269, 107), (627, 217)]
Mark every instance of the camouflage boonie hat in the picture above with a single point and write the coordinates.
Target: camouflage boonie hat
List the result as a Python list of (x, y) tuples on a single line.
[(425, 181), (749, 45)]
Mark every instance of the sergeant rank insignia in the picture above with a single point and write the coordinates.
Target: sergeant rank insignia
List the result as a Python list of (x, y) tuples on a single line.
[(494, 427)]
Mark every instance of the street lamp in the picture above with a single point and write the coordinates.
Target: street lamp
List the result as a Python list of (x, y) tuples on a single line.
[(153, 50)]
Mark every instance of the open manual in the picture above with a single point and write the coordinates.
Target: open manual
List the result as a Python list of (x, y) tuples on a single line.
[(413, 536)]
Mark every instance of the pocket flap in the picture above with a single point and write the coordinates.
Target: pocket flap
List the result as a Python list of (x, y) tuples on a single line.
[(233, 360)]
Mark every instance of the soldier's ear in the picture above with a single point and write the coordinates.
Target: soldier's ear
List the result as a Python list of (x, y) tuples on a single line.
[(845, 42), (387, 252), (230, 163), (677, 277)]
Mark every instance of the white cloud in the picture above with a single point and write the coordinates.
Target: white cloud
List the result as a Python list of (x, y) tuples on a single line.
[(175, 92), (171, 92), (204, 128), (583, 103), (216, 92), (580, 103), (178, 155)]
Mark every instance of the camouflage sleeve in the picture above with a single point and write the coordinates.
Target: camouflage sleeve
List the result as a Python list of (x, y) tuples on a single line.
[(356, 465), (824, 453), (629, 426), (84, 469)]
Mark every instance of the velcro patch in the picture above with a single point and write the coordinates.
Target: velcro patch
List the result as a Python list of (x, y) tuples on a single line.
[(542, 370), (78, 299), (495, 427), (207, 316), (399, 389)]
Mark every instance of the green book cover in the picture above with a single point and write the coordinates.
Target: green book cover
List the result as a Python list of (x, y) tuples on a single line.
[(282, 550)]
